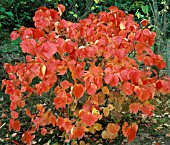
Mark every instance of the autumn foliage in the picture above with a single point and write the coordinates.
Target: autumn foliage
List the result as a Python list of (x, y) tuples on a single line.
[(88, 72)]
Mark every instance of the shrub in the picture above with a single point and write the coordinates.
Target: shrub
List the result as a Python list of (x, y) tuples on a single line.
[(89, 73)]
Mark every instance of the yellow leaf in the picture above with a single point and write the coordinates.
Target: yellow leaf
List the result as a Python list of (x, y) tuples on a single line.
[(105, 134), (122, 26), (100, 116), (110, 107), (97, 126), (95, 111), (43, 69), (106, 112), (92, 129)]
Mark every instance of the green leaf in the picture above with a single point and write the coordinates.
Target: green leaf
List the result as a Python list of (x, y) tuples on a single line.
[(96, 1), (10, 14), (75, 15), (145, 9), (92, 8), (71, 12), (138, 14), (2, 9)]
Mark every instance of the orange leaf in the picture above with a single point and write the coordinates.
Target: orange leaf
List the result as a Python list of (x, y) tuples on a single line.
[(78, 90), (113, 128), (21, 103), (105, 90)]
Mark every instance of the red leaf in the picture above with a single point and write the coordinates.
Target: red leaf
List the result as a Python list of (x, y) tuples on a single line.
[(134, 108), (61, 7), (77, 132), (60, 101), (54, 14), (16, 125), (146, 32), (67, 125), (88, 118), (78, 90), (139, 48), (115, 80), (135, 76), (65, 84), (14, 35), (11, 124), (60, 122), (53, 120), (108, 78), (161, 64), (144, 22), (113, 9), (13, 106), (28, 46), (142, 93), (37, 33), (27, 137), (91, 90), (130, 132), (43, 131), (148, 61), (128, 88), (124, 74), (28, 112), (165, 87), (159, 84), (147, 109), (88, 105), (49, 49), (14, 114), (43, 8)]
